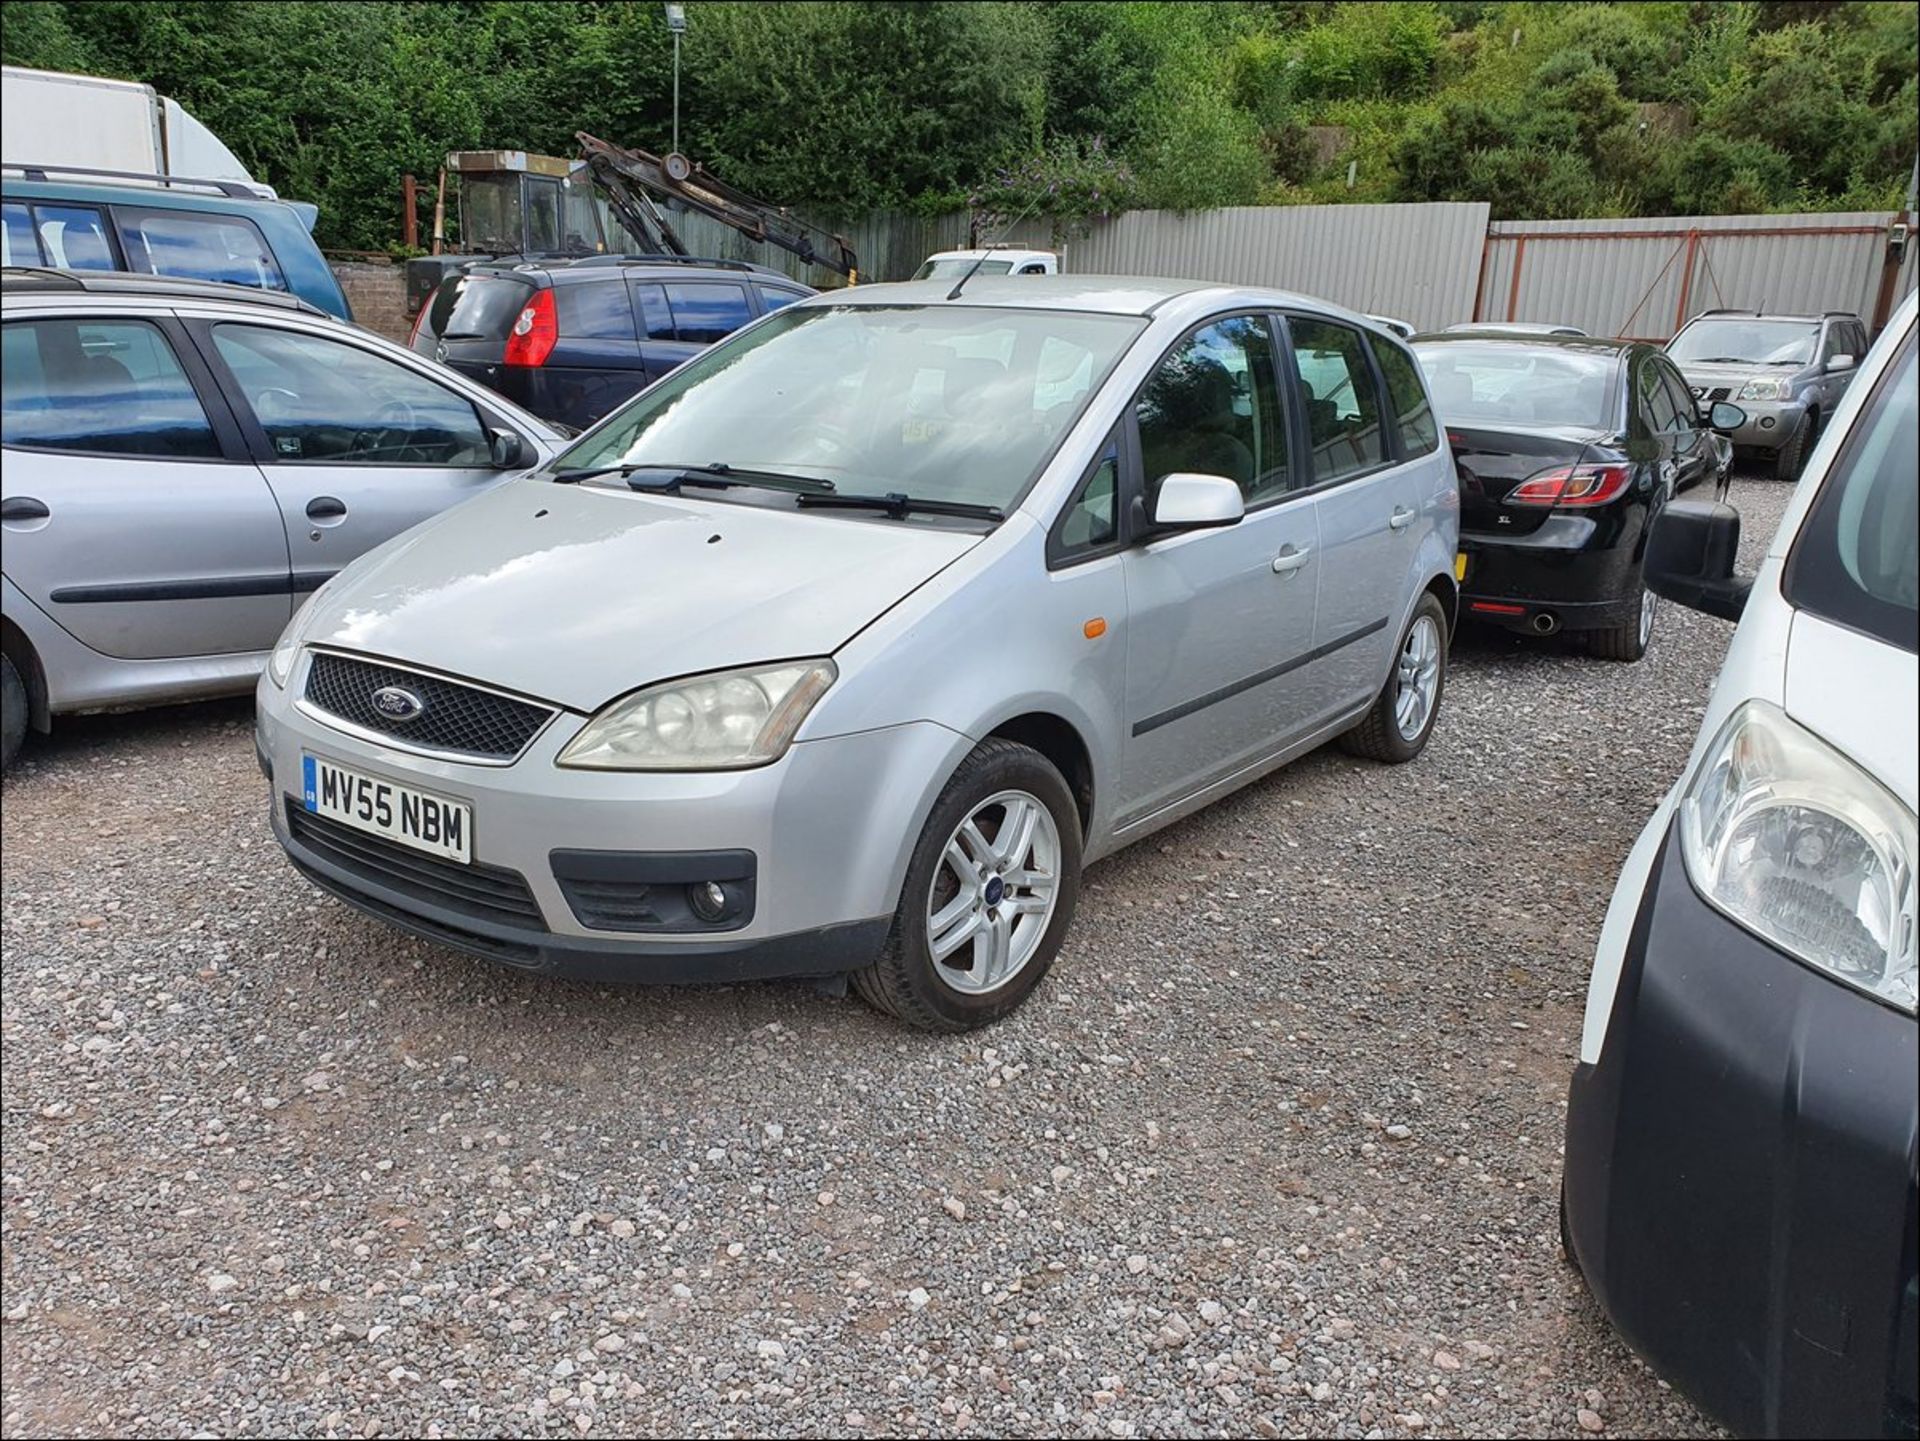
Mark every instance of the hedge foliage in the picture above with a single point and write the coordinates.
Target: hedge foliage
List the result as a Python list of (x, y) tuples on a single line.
[(1540, 109)]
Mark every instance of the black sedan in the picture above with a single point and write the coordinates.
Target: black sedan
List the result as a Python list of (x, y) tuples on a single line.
[(1566, 448)]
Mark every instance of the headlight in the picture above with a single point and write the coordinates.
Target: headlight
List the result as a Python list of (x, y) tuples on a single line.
[(1799, 845), (280, 663), (728, 720), (1764, 390)]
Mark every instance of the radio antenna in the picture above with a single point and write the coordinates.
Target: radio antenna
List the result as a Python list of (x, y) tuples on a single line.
[(981, 258)]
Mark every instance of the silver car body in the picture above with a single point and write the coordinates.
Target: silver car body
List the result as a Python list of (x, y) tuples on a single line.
[(1225, 654), (1814, 389), (131, 579)]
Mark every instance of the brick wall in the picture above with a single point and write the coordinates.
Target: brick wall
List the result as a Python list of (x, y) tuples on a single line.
[(376, 289)]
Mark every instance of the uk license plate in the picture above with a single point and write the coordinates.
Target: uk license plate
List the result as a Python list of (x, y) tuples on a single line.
[(1460, 566), (429, 823)]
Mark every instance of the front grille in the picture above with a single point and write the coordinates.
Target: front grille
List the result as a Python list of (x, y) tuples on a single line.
[(484, 893), (513, 953), (612, 905), (1714, 395), (452, 717)]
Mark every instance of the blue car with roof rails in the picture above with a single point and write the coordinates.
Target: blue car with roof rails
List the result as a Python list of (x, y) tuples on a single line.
[(223, 230)]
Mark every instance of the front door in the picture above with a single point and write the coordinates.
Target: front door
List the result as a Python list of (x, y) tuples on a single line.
[(1219, 622), (132, 514), (356, 445)]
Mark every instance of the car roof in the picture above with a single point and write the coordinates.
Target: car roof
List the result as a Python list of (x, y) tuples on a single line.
[(585, 268), (1527, 340), (1102, 294), (1774, 315), (18, 280)]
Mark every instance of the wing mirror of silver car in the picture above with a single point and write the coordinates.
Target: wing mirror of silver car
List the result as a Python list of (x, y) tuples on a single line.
[(1187, 501), (1725, 417), (509, 449), (1690, 557), (1839, 362)]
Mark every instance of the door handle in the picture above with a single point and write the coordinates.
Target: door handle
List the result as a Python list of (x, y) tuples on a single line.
[(1289, 560), (1401, 518), (326, 507), (23, 507)]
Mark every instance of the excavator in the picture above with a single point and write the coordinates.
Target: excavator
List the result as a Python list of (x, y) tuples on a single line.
[(519, 206)]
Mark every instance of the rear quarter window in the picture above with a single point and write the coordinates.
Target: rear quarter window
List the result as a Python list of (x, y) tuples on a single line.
[(227, 248), (595, 310), (1407, 394), (1856, 560)]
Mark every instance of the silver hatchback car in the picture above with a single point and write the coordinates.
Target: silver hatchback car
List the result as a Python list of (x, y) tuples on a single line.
[(843, 648), (185, 459)]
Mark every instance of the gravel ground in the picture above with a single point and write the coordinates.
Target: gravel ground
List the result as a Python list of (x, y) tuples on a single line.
[(1274, 1151)]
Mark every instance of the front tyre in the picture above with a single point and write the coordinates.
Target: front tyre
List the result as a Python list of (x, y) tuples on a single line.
[(1395, 730), (989, 894)]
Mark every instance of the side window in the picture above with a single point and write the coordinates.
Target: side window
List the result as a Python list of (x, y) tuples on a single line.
[(324, 402), (1343, 405), (772, 297), (1412, 412), (108, 387), (198, 247), (596, 309), (650, 306), (1090, 522), (706, 312), (73, 236), (1661, 412), (17, 245), (1686, 410), (1213, 406)]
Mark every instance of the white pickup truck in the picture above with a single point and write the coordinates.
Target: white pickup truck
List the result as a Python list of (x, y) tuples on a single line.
[(992, 260)]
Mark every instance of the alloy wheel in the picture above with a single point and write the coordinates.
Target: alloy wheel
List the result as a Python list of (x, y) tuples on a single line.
[(993, 892), (1418, 677)]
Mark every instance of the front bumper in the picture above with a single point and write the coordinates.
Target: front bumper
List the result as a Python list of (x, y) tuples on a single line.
[(823, 836), (1740, 1176), (1770, 423)]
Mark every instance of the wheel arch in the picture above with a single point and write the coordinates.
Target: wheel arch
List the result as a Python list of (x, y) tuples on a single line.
[(1060, 741)]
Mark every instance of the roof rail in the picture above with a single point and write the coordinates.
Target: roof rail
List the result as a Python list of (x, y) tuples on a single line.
[(235, 189), (707, 262), (45, 274), (1843, 314), (1728, 310), (138, 283)]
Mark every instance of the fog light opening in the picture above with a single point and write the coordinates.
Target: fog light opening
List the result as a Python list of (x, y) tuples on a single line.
[(709, 901)]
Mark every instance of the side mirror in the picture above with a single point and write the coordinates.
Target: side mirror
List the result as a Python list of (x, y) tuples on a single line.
[(509, 449), (1690, 556), (1840, 362), (1196, 502), (1724, 417)]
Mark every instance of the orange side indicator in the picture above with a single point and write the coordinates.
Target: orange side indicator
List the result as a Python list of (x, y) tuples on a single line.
[(1095, 628)]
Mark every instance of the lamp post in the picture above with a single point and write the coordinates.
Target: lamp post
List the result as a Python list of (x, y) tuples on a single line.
[(677, 23)]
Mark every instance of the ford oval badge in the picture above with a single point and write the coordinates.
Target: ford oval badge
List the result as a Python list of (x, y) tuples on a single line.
[(396, 703)]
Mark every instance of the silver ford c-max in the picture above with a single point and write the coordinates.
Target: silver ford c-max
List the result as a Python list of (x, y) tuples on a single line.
[(843, 648)]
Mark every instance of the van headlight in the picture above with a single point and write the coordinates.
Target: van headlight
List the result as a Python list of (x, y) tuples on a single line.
[(727, 720), (1795, 842), (1764, 389)]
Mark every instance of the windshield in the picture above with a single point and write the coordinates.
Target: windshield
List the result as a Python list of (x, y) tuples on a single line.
[(1857, 559), (954, 267), (948, 403), (1745, 342), (1494, 384)]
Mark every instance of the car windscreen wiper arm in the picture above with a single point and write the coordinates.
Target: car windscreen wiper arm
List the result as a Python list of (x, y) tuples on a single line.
[(898, 504), (717, 474)]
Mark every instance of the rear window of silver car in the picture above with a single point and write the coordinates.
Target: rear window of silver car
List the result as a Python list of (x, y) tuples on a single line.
[(953, 403), (1477, 382)]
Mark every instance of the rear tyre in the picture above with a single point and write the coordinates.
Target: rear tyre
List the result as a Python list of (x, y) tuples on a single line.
[(988, 898), (1395, 730), (1791, 458), (13, 712), (1629, 640), (1567, 1253)]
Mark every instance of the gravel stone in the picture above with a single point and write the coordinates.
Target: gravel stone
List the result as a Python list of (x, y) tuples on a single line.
[(1174, 1118)]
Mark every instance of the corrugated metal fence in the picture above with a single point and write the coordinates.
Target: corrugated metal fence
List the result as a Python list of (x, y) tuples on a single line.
[(1432, 265), (1646, 277)]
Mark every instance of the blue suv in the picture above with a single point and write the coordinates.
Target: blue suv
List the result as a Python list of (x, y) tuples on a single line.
[(163, 225), (573, 340)]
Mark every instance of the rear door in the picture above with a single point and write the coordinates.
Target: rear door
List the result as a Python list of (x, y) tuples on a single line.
[(595, 366), (681, 318), (133, 514), (661, 349), (1364, 495), (356, 444), (1694, 455)]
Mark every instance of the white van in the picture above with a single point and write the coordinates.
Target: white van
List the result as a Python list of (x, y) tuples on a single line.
[(1739, 1182)]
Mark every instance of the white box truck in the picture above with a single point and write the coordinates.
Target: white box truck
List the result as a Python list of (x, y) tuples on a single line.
[(84, 122)]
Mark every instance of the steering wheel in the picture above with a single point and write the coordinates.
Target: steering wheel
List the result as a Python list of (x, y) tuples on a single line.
[(274, 404), (393, 426)]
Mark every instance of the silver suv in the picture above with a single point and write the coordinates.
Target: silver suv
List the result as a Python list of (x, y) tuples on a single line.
[(1787, 372), (185, 461), (845, 646)]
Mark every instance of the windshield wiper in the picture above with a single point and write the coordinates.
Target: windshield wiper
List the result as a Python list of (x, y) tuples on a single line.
[(717, 474), (898, 504)]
